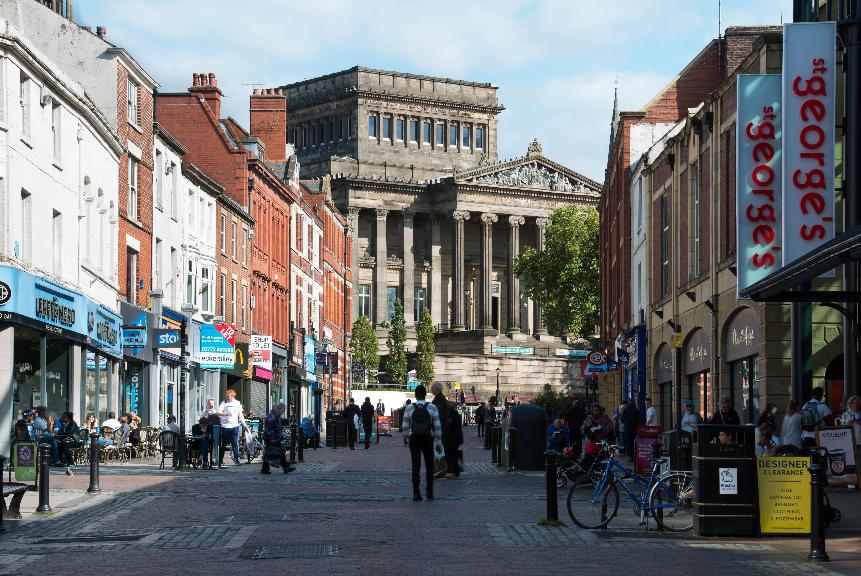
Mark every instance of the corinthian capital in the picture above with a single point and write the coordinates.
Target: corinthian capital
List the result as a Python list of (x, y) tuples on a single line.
[(489, 218), (460, 215), (516, 220), (382, 213), (354, 210), (542, 223)]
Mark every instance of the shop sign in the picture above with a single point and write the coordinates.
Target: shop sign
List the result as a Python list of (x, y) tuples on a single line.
[(809, 87), (167, 338), (310, 359), (261, 351), (784, 494), (698, 352), (758, 173), (41, 303), (103, 329), (136, 324), (134, 337), (840, 443), (572, 354), (519, 350), (217, 346), (171, 320)]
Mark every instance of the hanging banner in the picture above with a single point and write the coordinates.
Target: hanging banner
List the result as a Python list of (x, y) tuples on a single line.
[(260, 349), (809, 65), (217, 346), (758, 174)]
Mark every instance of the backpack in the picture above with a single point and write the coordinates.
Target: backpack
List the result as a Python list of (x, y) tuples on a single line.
[(421, 421), (810, 417)]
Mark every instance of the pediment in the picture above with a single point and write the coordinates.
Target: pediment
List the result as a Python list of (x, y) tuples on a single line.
[(533, 171)]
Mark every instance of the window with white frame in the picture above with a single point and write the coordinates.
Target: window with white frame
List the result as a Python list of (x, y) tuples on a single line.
[(466, 136), (694, 221), (427, 128), (233, 239), (189, 207), (414, 131), (365, 300), (132, 101), (205, 292), (419, 304), (56, 131), (244, 246), (159, 178), (479, 137), (387, 127), (24, 87), (244, 304), (452, 134), (191, 284), (665, 245), (401, 129), (222, 297), (131, 275), (233, 301), (201, 217), (223, 233), (132, 206), (440, 135)]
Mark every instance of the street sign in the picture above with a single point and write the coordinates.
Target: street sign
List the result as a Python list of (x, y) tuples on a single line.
[(597, 358), (676, 340), (166, 338), (572, 354), (521, 350)]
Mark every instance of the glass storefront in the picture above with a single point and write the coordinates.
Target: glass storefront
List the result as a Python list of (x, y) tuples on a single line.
[(41, 380), (741, 351), (697, 369), (699, 392)]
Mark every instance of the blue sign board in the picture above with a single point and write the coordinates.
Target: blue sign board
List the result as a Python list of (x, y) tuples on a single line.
[(134, 337), (103, 329), (167, 338), (622, 356), (216, 346), (310, 359)]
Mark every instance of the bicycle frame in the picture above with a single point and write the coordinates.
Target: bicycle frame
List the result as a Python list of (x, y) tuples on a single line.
[(613, 468)]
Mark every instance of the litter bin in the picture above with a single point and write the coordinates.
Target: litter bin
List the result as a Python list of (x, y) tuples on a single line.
[(725, 494), (530, 442), (646, 437), (677, 448), (336, 429)]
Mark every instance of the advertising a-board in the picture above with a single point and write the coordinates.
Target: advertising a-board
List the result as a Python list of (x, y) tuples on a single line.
[(784, 494), (840, 443)]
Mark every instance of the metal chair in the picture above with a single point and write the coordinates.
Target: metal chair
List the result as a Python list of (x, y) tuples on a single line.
[(168, 445)]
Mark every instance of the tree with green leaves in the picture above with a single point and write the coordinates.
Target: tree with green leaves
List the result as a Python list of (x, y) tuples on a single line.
[(563, 277), (396, 362), (425, 349), (363, 345)]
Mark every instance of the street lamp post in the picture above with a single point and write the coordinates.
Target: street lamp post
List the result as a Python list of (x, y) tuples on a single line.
[(498, 369)]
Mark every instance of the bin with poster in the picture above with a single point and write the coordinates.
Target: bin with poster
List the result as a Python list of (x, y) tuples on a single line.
[(384, 425), (840, 443), (647, 436)]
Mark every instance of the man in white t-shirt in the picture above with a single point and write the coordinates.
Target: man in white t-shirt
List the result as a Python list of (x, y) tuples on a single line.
[(232, 421), (808, 435), (651, 413)]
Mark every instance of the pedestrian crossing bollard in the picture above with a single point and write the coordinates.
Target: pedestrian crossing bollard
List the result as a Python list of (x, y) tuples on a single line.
[(94, 464), (44, 479)]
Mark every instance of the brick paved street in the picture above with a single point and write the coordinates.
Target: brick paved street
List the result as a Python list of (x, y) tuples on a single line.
[(345, 512)]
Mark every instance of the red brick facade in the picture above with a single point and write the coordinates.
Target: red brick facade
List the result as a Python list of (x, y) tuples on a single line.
[(232, 269)]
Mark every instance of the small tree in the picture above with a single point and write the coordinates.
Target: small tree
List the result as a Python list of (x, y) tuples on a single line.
[(425, 348), (396, 363), (363, 346)]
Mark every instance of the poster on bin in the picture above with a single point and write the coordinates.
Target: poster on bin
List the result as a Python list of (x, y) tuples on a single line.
[(840, 443), (217, 345), (784, 494), (758, 174)]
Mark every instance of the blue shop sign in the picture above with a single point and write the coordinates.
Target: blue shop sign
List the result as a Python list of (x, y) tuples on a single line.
[(310, 359), (103, 329), (137, 323), (41, 303)]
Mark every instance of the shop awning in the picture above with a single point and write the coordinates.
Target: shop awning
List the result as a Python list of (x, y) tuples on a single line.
[(782, 286)]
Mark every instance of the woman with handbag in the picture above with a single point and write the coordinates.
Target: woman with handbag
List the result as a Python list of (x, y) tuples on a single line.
[(273, 430)]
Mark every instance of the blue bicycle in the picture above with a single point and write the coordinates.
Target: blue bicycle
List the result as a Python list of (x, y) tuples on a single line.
[(594, 501)]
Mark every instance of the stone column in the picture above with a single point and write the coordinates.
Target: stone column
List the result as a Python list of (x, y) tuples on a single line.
[(457, 252), (409, 268), (353, 234), (487, 221), (380, 292), (537, 309), (436, 300), (515, 222)]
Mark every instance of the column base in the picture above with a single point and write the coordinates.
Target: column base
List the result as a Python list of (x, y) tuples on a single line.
[(457, 327)]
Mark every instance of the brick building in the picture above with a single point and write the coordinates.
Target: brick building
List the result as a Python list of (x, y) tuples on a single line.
[(237, 161)]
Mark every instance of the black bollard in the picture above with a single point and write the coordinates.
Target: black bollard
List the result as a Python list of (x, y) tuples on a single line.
[(292, 443), (512, 442), (487, 431), (94, 464), (552, 497), (492, 444), (818, 482), (499, 435), (44, 479), (300, 446)]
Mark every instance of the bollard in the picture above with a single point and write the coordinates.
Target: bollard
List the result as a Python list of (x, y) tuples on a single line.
[(512, 442), (2, 468), (552, 497), (492, 444), (44, 479), (487, 431), (300, 444), (94, 464), (818, 482), (498, 446), (292, 443)]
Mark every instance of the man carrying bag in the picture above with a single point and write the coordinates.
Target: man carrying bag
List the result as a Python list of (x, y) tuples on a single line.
[(273, 455), (420, 424)]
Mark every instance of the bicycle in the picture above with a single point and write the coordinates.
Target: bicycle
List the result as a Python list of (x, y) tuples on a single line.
[(570, 468), (668, 497)]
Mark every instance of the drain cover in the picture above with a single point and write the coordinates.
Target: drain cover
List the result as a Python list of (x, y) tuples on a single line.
[(295, 551), (91, 539)]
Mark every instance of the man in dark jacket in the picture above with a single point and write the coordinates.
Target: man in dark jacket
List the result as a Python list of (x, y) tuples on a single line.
[(479, 419), (349, 413), (453, 442), (367, 420), (630, 419), (726, 414), (441, 403), (272, 433)]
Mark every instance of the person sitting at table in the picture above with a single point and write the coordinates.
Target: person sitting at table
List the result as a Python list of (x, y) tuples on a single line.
[(171, 424), (201, 433), (45, 435), (25, 430), (67, 438), (111, 422), (90, 422), (310, 434)]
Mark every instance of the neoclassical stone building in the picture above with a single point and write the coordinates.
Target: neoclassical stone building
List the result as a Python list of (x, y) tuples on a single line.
[(436, 219)]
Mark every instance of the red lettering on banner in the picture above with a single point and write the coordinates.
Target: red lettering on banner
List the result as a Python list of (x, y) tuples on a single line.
[(762, 176)]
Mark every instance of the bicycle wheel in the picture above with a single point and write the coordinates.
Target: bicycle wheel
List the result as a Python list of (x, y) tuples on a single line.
[(592, 506), (671, 500)]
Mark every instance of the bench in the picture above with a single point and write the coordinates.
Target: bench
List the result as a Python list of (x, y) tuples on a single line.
[(16, 490)]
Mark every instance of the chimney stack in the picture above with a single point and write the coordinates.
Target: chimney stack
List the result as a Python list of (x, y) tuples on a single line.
[(268, 108), (101, 32), (206, 87)]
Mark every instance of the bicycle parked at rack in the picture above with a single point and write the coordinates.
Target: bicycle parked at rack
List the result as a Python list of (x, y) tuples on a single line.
[(667, 497), (569, 468)]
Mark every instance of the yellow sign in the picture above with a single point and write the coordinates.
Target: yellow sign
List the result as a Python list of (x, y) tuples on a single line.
[(784, 494), (676, 340)]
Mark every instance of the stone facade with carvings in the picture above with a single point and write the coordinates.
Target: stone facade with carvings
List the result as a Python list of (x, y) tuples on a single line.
[(436, 219)]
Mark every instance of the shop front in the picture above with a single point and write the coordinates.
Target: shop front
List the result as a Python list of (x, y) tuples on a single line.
[(664, 384), (48, 337), (237, 376), (697, 367), (741, 353), (169, 378), (137, 358), (260, 349), (310, 385)]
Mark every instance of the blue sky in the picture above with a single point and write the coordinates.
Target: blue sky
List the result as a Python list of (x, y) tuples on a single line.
[(555, 61)]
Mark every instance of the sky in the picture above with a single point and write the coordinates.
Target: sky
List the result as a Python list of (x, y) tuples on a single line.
[(556, 62)]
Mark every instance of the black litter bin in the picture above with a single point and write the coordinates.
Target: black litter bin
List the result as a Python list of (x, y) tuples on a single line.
[(677, 447), (725, 494), (336, 429), (530, 441)]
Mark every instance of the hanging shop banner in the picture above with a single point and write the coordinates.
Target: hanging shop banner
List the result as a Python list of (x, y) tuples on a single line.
[(758, 173), (136, 325), (104, 327), (260, 349), (840, 443), (310, 359), (784, 494), (809, 65), (217, 346)]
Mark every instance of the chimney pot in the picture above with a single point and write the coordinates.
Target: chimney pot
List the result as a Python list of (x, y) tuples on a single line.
[(212, 81), (203, 81), (280, 92), (101, 32), (195, 79), (256, 91), (87, 29)]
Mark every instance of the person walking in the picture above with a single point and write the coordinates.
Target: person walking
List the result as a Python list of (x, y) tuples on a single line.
[(421, 424), (232, 421), (381, 407), (814, 413), (367, 420), (350, 413), (651, 413), (453, 442), (273, 430), (479, 419), (790, 429), (441, 403)]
